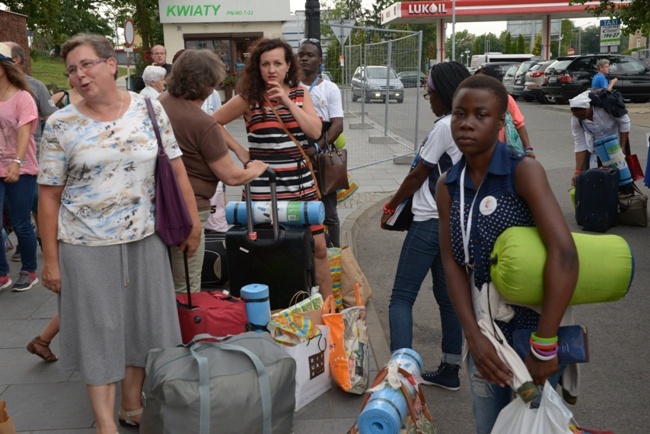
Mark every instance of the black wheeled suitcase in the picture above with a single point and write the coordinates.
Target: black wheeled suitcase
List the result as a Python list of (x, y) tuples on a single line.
[(214, 273), (597, 199), (281, 257)]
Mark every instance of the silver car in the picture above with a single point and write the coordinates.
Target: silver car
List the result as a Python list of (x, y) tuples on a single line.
[(509, 80), (369, 83)]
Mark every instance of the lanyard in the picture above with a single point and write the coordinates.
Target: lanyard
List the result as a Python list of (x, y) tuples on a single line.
[(314, 83), (466, 232)]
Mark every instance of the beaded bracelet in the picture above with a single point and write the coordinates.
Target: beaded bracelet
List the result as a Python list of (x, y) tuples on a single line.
[(388, 210)]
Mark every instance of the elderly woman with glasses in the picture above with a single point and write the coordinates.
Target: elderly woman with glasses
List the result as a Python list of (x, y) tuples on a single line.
[(271, 82), (154, 80), (96, 217)]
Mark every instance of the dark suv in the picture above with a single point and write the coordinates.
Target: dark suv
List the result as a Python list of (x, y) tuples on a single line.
[(572, 75)]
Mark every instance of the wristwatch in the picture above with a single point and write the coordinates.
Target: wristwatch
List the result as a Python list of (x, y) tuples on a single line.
[(19, 161)]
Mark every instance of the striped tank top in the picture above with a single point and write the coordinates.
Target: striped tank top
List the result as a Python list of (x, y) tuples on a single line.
[(268, 142)]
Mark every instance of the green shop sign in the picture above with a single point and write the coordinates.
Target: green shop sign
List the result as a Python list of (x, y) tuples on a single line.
[(222, 11), (202, 11)]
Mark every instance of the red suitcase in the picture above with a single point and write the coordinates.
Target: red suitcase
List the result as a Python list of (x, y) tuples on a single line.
[(216, 313)]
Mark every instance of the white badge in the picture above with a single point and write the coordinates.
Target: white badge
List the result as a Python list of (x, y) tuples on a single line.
[(488, 205)]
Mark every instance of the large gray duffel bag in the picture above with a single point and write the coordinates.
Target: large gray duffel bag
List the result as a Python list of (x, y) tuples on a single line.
[(245, 384)]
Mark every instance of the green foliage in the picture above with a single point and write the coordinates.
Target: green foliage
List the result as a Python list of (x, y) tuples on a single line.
[(635, 15), (537, 47), (521, 45), (507, 43), (50, 70)]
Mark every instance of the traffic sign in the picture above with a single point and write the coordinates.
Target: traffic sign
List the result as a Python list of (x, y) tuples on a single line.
[(571, 52), (342, 29), (610, 32), (129, 32)]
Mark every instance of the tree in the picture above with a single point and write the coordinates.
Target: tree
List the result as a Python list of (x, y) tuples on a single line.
[(590, 39), (635, 15), (54, 21), (521, 45), (537, 47), (507, 43)]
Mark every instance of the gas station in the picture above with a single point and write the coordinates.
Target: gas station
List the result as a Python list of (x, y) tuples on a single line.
[(443, 12)]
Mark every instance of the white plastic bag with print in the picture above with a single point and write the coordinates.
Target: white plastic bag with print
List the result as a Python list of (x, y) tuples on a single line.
[(551, 417)]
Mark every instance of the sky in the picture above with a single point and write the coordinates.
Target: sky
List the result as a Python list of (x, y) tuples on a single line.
[(478, 28)]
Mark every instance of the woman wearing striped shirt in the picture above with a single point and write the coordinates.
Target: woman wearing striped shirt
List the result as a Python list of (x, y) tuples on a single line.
[(271, 77)]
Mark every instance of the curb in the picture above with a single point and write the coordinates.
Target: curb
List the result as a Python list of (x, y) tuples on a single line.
[(349, 231)]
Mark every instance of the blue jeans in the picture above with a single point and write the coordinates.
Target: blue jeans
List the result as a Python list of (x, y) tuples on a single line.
[(421, 253), (20, 196), (488, 399)]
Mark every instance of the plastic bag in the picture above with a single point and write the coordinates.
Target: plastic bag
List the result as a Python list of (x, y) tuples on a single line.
[(551, 417), (334, 256)]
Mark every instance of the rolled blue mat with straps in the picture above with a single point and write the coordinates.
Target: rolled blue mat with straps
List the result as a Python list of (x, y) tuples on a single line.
[(289, 213), (384, 413), (610, 153)]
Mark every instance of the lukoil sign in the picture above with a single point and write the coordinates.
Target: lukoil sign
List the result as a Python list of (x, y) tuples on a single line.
[(423, 8)]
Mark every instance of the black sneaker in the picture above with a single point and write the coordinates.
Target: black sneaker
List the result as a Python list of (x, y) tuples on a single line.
[(446, 376)]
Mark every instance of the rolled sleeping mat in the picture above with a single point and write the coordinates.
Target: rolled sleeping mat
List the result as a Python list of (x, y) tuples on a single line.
[(340, 141), (412, 363), (611, 155), (289, 213), (384, 413), (519, 256), (258, 306)]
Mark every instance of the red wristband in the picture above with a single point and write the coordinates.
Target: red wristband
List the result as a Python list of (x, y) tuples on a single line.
[(388, 210)]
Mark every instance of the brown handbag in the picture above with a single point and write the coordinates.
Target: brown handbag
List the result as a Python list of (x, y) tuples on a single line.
[(298, 145), (332, 169), (633, 208)]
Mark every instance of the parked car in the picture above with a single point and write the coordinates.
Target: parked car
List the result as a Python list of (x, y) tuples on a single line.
[(410, 78), (509, 80), (326, 75), (520, 79), (501, 67), (369, 83), (534, 81), (572, 75)]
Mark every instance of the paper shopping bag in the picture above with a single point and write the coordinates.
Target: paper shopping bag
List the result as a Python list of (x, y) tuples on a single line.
[(313, 376), (6, 423), (351, 274)]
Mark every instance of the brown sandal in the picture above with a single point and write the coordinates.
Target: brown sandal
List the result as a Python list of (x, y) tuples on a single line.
[(45, 353)]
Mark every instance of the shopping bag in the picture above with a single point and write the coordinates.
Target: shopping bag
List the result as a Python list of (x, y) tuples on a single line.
[(349, 349), (551, 417), (289, 329), (634, 166), (310, 307), (313, 375), (334, 258), (6, 423), (341, 195), (351, 274)]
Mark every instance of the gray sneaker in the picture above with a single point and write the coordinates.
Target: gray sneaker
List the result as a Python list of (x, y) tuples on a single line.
[(25, 281)]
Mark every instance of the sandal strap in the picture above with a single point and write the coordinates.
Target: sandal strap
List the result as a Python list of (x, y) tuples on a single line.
[(133, 412), (42, 341)]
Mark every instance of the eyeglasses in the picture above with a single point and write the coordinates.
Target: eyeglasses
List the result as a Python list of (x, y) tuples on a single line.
[(84, 65), (311, 40), (426, 96)]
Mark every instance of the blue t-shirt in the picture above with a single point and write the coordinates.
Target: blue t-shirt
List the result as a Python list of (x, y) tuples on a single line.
[(599, 81)]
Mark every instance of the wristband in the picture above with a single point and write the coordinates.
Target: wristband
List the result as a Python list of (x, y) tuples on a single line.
[(388, 210), (577, 172), (529, 150), (543, 341), (18, 160)]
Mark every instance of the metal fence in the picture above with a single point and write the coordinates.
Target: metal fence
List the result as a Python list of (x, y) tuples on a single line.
[(643, 56), (382, 94)]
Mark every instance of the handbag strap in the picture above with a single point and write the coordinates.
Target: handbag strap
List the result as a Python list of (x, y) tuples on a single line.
[(154, 122), (156, 130), (297, 143)]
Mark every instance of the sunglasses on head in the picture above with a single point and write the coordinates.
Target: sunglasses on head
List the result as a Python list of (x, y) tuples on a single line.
[(309, 40)]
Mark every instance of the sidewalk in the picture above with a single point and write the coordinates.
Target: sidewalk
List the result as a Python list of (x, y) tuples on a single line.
[(42, 399)]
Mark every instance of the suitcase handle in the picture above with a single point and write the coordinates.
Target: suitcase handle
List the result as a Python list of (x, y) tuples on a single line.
[(252, 235)]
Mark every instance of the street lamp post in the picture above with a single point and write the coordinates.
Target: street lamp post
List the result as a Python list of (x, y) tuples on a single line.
[(467, 56)]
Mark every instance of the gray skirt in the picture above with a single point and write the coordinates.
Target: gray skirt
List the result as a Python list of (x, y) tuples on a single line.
[(117, 302)]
